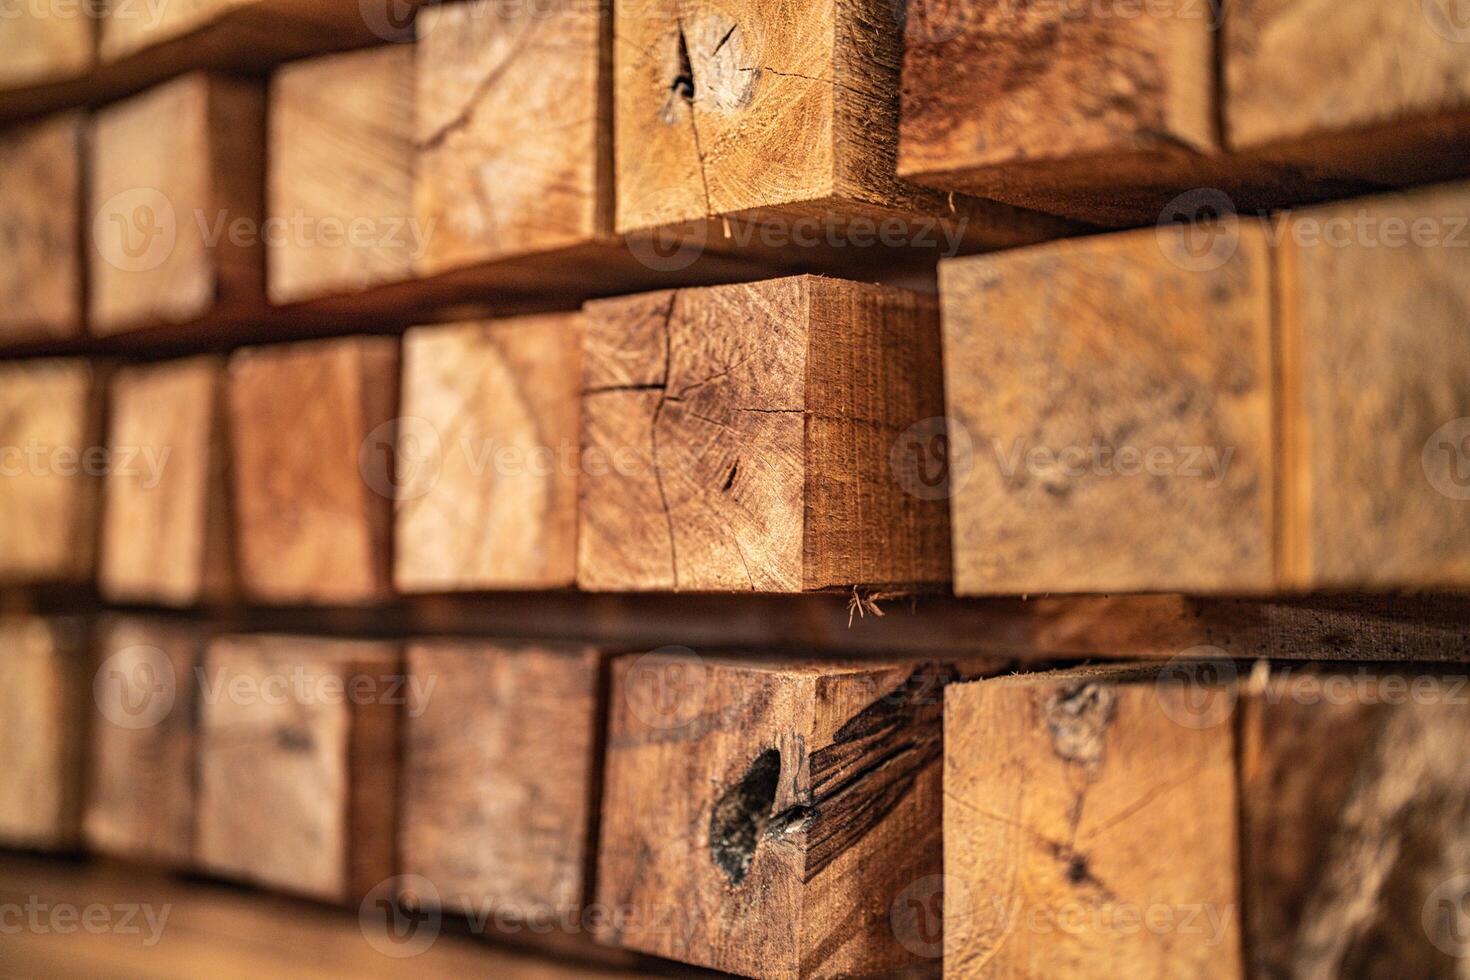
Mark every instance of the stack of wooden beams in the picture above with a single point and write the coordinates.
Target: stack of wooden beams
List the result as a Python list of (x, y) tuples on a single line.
[(792, 490)]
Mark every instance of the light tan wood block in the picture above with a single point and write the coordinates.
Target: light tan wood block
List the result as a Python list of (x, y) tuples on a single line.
[(41, 228), (341, 174), (740, 438), (313, 441), (1192, 821), (776, 112), (176, 204), (489, 453), (46, 41), (52, 456), (141, 765), (797, 805), (1111, 410), (43, 691), (166, 529), (502, 774), (1373, 299), (298, 763), (513, 131)]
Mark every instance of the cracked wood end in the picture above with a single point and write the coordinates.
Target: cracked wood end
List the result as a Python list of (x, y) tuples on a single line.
[(166, 524), (176, 174), (41, 215), (513, 131), (313, 438), (502, 771), (776, 112), (1105, 116), (797, 805), (1296, 821), (140, 780), (489, 455), (51, 418), (298, 754), (742, 438), (44, 684), (340, 174)]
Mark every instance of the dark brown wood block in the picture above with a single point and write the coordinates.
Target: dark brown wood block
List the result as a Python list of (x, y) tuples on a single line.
[(765, 816), (1123, 113)]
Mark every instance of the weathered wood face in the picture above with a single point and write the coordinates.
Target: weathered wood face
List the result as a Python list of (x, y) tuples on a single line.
[(796, 803)]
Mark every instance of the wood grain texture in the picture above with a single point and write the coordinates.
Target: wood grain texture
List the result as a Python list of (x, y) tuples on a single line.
[(141, 765), (43, 692), (738, 438), (502, 771), (341, 173), (1198, 822), (46, 42), (489, 447), (313, 442), (1113, 400), (797, 801), (176, 204), (166, 528), (494, 179), (1374, 309), (1106, 112), (41, 227), (1380, 62), (298, 763), (773, 112), (51, 440)]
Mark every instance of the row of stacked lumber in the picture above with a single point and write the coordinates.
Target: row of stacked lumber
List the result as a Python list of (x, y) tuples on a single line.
[(766, 815), (372, 378)]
